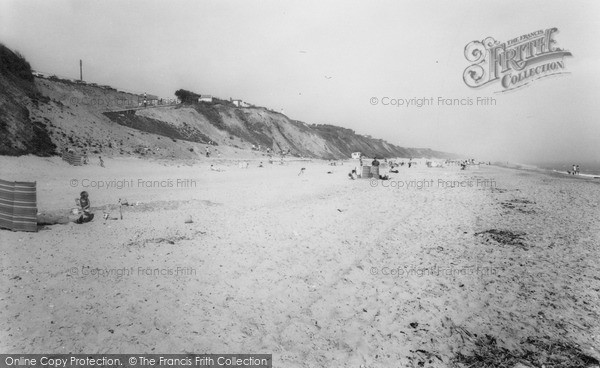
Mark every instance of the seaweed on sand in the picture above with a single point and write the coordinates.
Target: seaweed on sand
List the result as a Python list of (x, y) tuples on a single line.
[(545, 352), (504, 237)]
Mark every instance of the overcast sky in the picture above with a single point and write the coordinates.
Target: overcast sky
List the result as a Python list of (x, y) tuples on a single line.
[(323, 62)]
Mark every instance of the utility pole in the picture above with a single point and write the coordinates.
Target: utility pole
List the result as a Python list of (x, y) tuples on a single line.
[(80, 70)]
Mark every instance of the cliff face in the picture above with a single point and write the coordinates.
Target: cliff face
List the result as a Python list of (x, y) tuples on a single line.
[(18, 133), (42, 116), (225, 124), (345, 141)]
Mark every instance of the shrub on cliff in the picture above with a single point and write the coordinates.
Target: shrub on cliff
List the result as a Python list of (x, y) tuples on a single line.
[(186, 96), (13, 63)]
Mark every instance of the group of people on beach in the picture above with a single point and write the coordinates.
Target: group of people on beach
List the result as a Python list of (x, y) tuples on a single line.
[(575, 170), (374, 169), (393, 166)]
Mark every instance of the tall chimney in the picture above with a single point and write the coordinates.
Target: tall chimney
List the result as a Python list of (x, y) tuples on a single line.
[(80, 70)]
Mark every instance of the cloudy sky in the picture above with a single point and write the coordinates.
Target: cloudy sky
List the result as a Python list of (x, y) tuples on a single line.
[(326, 61)]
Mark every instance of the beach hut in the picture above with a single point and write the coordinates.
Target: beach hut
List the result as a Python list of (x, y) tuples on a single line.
[(18, 205)]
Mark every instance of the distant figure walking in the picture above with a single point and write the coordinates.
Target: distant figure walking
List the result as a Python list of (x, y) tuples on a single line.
[(375, 162), (101, 161), (577, 169), (207, 152), (409, 164), (301, 171)]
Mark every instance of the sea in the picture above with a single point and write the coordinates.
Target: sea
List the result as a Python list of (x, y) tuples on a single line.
[(590, 168)]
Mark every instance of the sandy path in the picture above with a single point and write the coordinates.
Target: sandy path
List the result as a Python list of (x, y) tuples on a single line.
[(299, 266)]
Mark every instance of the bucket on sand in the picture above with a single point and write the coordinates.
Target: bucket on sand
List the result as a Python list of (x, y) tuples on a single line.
[(366, 172)]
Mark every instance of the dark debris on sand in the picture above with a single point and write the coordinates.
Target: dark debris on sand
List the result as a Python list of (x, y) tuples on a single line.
[(520, 205), (545, 352), (159, 205), (139, 242), (495, 189), (504, 237)]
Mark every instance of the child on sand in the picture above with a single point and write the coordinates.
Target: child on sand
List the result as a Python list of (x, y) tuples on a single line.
[(352, 175), (84, 204)]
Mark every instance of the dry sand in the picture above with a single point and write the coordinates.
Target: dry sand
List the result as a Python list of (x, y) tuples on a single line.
[(317, 269)]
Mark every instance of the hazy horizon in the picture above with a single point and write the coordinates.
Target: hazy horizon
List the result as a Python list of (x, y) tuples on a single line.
[(324, 62)]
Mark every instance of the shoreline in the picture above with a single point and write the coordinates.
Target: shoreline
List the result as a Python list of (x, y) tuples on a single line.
[(527, 167)]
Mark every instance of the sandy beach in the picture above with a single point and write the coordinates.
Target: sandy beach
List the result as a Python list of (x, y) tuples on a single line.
[(180, 186), (317, 269)]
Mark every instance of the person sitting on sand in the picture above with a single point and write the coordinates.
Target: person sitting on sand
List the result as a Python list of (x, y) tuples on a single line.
[(352, 175), (213, 168), (84, 203)]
